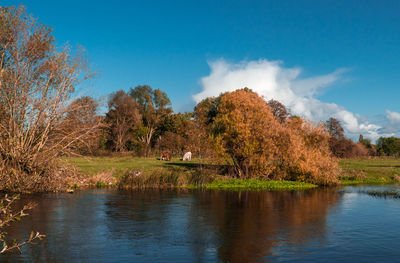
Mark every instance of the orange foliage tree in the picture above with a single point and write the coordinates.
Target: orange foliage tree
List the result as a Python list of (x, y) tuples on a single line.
[(246, 131)]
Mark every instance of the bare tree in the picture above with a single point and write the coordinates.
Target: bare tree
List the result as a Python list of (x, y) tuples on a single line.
[(335, 128), (37, 81), (279, 110)]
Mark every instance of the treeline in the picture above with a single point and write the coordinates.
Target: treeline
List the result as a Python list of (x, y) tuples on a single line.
[(141, 121), (343, 147)]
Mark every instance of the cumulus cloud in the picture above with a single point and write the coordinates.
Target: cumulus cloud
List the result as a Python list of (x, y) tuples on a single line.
[(392, 124), (273, 81)]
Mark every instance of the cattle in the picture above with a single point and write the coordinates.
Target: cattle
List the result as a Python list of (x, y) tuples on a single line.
[(165, 156), (187, 156)]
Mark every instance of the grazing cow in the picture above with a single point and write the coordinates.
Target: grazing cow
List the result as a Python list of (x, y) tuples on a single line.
[(187, 156), (165, 156)]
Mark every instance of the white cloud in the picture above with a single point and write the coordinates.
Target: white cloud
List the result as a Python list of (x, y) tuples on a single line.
[(271, 80), (393, 117)]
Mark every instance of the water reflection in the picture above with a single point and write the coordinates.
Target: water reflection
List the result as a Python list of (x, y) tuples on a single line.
[(176, 226), (232, 226), (251, 225)]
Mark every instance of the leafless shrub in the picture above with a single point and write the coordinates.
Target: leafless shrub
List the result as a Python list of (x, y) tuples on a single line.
[(7, 216)]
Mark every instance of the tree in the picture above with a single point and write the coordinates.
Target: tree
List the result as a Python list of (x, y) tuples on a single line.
[(37, 82), (122, 117), (279, 110), (171, 133), (247, 132), (81, 116), (153, 106), (342, 147), (244, 129), (173, 142), (368, 145), (389, 146), (335, 128)]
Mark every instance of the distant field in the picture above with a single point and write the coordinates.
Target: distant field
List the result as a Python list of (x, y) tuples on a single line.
[(355, 171), (370, 171)]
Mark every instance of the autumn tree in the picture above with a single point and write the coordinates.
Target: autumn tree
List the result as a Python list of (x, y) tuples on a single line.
[(122, 117), (244, 129), (81, 115), (335, 128), (171, 132), (153, 106), (279, 110), (37, 82), (342, 147), (247, 132), (367, 145), (339, 145)]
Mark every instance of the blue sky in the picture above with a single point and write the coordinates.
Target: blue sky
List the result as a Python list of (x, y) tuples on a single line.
[(171, 45)]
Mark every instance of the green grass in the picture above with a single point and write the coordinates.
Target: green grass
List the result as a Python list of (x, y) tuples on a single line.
[(95, 165), (369, 171), (257, 184)]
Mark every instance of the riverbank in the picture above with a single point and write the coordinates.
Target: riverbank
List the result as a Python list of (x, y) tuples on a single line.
[(132, 173), (128, 172)]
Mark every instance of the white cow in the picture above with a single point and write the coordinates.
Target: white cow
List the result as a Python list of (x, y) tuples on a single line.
[(187, 156)]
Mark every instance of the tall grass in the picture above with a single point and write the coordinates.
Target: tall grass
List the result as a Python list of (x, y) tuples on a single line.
[(165, 178)]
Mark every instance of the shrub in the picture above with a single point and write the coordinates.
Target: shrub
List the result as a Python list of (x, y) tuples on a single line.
[(7, 216)]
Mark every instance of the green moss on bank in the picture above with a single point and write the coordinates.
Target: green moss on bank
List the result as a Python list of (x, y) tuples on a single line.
[(257, 184)]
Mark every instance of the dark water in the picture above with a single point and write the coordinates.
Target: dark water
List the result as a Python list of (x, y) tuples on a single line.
[(321, 225)]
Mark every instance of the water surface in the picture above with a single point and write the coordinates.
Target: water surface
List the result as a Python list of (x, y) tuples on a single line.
[(322, 225)]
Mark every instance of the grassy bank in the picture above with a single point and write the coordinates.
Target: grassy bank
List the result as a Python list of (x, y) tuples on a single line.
[(176, 173), (370, 171), (147, 172), (150, 172)]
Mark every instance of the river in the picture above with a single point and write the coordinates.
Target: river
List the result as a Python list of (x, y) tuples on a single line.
[(318, 225)]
